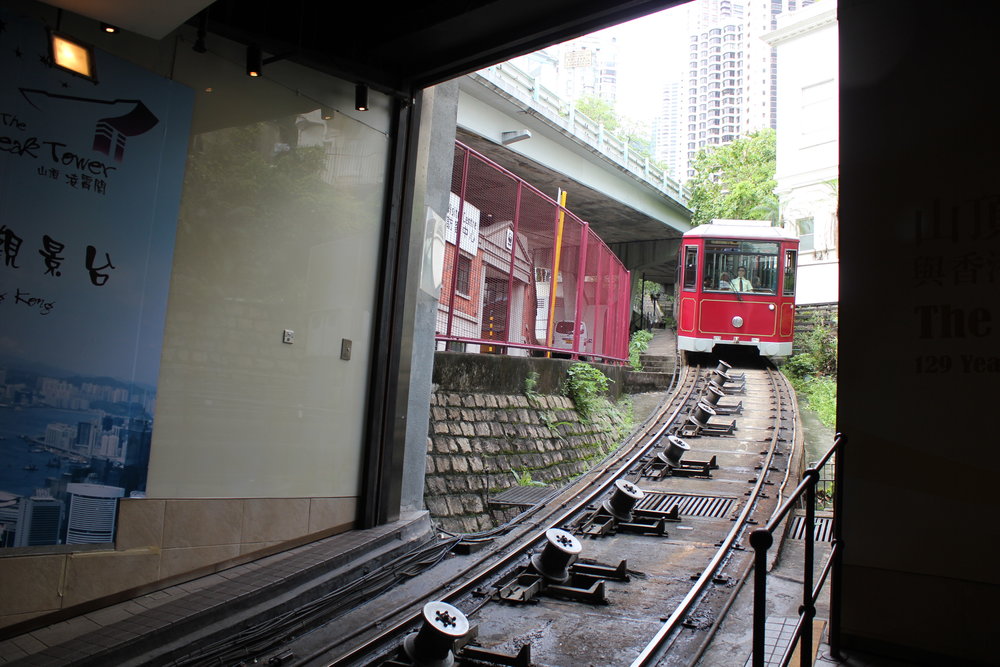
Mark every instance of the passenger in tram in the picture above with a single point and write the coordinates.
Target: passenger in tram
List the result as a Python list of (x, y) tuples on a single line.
[(724, 281), (742, 283)]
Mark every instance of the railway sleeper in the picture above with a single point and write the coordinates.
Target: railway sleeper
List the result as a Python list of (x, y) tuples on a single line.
[(586, 583), (644, 522), (465, 653), (695, 427), (656, 469), (527, 586), (729, 388)]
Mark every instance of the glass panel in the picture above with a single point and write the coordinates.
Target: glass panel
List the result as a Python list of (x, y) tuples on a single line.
[(789, 286), (742, 266), (690, 267), (280, 227)]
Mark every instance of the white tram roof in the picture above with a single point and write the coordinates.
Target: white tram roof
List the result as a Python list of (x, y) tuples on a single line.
[(741, 229)]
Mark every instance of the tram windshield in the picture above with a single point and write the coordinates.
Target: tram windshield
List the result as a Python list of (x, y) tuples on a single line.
[(732, 265)]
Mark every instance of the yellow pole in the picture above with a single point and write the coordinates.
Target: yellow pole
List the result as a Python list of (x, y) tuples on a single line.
[(555, 271)]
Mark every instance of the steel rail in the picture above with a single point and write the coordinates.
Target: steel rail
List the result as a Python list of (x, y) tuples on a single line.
[(651, 653), (519, 544)]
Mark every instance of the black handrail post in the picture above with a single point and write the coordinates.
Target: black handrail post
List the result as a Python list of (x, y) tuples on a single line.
[(837, 559), (808, 610), (761, 540)]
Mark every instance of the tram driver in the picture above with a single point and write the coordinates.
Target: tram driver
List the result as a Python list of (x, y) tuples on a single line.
[(741, 283)]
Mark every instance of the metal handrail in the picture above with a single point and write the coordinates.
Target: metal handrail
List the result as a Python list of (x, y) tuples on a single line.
[(530, 91), (762, 539)]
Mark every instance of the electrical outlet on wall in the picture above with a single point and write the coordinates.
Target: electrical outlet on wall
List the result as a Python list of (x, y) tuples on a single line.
[(288, 336)]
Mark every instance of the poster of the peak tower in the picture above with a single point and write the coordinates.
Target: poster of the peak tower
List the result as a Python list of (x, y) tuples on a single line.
[(91, 171)]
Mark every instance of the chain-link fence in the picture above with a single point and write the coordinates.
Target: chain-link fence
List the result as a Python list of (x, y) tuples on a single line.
[(524, 276)]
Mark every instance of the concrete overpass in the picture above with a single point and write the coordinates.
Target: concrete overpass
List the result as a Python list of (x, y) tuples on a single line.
[(634, 207)]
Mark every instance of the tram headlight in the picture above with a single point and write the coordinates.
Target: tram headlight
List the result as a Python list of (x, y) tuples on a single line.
[(737, 321)]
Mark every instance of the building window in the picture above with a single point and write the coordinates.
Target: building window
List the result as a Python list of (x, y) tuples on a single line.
[(807, 234), (464, 271)]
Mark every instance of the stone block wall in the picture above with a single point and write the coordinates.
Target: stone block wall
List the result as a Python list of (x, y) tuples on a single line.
[(479, 443)]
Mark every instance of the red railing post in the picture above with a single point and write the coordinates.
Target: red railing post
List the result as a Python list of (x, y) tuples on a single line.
[(458, 242), (581, 274), (513, 263)]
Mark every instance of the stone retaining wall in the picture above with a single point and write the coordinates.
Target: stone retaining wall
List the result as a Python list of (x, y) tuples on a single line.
[(480, 443)]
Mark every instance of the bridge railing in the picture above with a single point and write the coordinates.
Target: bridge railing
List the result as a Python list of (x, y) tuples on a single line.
[(523, 275), (528, 90)]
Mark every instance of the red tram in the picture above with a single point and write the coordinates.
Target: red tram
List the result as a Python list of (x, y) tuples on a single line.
[(736, 286)]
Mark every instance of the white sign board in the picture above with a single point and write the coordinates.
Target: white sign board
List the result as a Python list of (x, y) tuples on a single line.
[(470, 225)]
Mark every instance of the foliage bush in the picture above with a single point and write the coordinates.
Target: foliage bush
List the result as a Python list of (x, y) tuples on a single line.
[(636, 346), (585, 385), (813, 372)]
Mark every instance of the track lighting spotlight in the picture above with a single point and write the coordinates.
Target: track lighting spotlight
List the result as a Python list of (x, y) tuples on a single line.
[(255, 61), (110, 29), (361, 97)]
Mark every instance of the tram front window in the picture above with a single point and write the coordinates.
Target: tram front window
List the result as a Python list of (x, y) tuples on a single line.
[(741, 266)]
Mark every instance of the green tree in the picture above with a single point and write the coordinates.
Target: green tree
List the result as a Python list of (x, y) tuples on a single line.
[(599, 110), (735, 180)]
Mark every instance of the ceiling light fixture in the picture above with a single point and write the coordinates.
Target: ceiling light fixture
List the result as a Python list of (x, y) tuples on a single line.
[(110, 29), (361, 97), (255, 61), (511, 136), (71, 55)]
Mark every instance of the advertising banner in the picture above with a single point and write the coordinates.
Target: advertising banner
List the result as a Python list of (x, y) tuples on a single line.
[(90, 181)]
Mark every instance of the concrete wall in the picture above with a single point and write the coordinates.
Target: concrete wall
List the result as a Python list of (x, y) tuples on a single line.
[(919, 324), (501, 374), (257, 444), (162, 542)]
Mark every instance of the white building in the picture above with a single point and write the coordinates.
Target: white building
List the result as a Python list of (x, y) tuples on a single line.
[(807, 135), (714, 94), (670, 133)]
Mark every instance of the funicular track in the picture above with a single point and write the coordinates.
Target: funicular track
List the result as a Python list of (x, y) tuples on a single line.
[(633, 564)]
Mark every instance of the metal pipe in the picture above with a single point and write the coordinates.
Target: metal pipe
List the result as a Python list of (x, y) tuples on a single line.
[(837, 558), (761, 540), (581, 271), (808, 610), (554, 279)]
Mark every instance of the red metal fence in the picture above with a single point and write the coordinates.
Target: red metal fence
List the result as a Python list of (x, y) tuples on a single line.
[(524, 276)]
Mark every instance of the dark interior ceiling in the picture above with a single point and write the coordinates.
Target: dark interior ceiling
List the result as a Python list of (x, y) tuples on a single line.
[(401, 47)]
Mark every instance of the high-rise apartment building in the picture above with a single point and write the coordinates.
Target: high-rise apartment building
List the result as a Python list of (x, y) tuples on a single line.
[(732, 73), (670, 129), (583, 67), (714, 92), (760, 62)]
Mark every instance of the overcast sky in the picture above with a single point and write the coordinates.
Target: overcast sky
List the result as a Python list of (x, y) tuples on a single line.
[(649, 49)]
